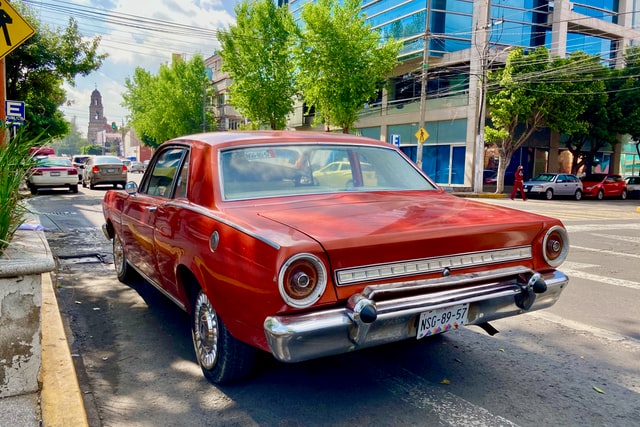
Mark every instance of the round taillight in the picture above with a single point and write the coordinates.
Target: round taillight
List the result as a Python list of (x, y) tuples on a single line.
[(555, 246), (302, 280)]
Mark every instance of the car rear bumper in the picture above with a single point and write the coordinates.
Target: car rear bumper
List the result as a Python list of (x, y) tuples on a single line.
[(52, 182), (493, 295)]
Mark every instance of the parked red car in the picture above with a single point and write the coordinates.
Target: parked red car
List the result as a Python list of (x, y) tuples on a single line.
[(601, 185), (237, 229)]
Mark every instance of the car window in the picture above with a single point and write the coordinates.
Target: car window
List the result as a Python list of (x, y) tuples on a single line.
[(183, 179), (270, 171), (544, 177), (164, 174), (53, 162)]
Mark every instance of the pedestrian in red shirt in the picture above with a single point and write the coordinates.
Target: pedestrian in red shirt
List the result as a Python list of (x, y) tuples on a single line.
[(517, 184)]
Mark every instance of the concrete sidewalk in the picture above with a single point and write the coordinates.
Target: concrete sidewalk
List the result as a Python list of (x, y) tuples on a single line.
[(59, 402)]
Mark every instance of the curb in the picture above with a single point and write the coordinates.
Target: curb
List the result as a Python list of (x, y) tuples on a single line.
[(61, 401)]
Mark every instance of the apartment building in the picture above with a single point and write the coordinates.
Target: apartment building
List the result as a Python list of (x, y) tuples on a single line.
[(458, 43)]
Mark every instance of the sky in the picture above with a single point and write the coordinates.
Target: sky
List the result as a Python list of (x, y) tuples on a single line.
[(134, 33)]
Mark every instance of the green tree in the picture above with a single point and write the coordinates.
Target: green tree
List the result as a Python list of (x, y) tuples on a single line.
[(578, 102), (36, 70), (169, 104), (256, 52), (342, 62), (71, 143), (534, 91), (92, 149)]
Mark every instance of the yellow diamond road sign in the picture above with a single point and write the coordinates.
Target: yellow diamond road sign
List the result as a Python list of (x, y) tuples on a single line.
[(14, 30), (422, 135)]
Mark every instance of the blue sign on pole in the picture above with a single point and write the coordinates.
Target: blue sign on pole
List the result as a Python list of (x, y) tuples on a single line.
[(14, 111), (395, 140)]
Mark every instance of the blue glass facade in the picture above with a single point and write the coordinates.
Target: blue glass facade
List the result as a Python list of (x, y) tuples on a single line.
[(453, 29)]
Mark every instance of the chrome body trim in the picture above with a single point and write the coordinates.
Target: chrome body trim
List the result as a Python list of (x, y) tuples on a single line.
[(491, 295), (349, 276)]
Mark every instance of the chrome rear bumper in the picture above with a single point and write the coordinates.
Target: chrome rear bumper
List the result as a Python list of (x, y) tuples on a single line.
[(491, 295)]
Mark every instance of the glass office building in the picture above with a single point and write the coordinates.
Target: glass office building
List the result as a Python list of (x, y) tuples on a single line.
[(464, 38)]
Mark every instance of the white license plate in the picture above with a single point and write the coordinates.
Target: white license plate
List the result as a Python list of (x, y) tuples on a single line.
[(111, 170), (54, 173), (434, 322)]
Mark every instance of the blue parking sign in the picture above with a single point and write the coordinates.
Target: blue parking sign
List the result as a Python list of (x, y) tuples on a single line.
[(14, 108)]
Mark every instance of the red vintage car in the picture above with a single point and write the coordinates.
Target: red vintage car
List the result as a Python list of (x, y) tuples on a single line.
[(601, 185), (267, 249)]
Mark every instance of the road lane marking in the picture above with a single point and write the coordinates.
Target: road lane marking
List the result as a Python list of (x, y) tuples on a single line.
[(447, 407), (602, 251), (629, 239), (580, 228), (575, 272), (583, 327)]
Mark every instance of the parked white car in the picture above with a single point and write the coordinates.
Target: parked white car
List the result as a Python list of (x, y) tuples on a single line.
[(633, 186)]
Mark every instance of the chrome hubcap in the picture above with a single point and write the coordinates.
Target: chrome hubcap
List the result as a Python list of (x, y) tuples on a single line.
[(205, 332), (118, 255)]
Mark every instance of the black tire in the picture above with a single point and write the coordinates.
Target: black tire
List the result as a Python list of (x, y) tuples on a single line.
[(73, 188), (84, 183), (623, 195), (92, 185), (34, 190), (124, 271), (222, 358), (600, 195), (548, 194), (578, 195)]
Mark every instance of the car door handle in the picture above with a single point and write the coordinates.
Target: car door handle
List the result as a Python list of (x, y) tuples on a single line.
[(151, 208)]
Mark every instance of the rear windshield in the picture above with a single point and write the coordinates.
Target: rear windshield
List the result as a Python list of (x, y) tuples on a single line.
[(282, 170), (107, 160), (48, 162)]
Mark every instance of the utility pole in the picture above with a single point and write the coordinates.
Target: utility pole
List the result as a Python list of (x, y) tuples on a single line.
[(423, 87), (482, 43)]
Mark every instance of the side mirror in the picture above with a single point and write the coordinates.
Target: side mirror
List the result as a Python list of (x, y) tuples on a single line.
[(131, 187)]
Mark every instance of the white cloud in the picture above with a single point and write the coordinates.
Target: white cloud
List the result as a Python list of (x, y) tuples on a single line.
[(138, 34)]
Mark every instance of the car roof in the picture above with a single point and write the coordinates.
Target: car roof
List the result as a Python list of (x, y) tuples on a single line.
[(266, 136)]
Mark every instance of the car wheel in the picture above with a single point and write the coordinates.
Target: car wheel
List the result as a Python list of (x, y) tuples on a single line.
[(548, 194), (33, 189), (84, 183), (600, 195), (92, 185), (623, 195), (578, 195), (74, 188), (221, 357), (124, 271)]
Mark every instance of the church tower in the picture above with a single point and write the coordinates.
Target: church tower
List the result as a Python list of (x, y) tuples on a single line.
[(97, 120)]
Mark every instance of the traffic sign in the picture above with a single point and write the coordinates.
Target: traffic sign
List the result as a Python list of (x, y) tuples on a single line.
[(422, 135), (14, 112), (14, 30), (14, 108)]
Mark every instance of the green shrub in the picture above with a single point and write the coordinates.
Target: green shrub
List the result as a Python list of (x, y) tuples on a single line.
[(15, 162)]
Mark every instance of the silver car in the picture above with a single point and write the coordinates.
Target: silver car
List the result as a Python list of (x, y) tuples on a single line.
[(99, 170), (550, 185)]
